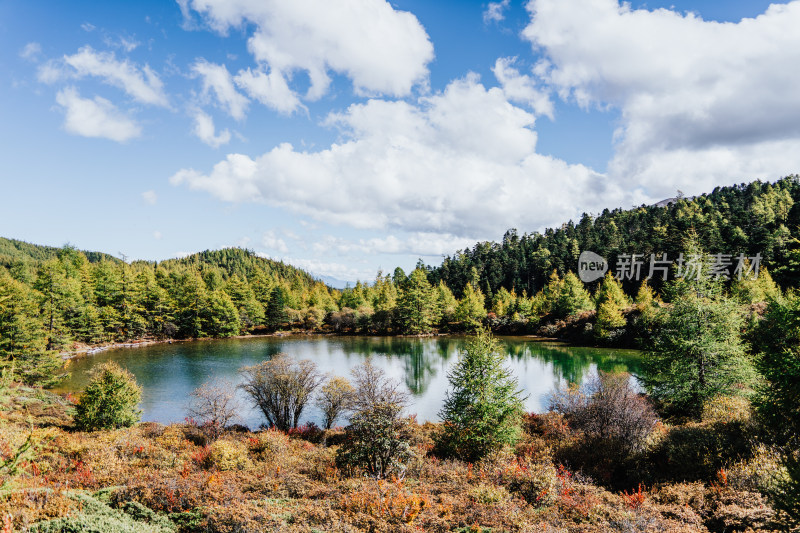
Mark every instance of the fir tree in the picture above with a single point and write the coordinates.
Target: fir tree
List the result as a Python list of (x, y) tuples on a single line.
[(483, 408)]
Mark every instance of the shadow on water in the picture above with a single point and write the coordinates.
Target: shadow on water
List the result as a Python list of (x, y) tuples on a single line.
[(169, 372)]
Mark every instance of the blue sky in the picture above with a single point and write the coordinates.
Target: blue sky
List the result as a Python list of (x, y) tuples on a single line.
[(348, 137)]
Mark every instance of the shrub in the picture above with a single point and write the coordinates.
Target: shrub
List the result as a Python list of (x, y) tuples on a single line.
[(609, 409), (227, 455), (334, 399), (214, 406), (482, 412), (281, 388), (377, 439), (109, 400)]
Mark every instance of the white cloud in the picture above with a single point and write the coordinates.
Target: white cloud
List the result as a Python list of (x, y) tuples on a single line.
[(702, 102), (418, 244), (205, 131), (521, 88), (150, 197), (142, 84), (95, 118), (380, 49), (216, 78), (271, 241), (157, 235), (494, 11), (88, 27), (269, 89), (31, 51), (462, 163)]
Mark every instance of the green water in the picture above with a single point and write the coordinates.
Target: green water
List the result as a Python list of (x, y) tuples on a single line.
[(169, 372)]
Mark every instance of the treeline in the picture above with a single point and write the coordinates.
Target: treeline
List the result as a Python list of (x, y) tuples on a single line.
[(48, 305), (51, 298), (755, 218)]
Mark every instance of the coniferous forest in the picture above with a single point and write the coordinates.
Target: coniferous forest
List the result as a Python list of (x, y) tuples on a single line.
[(707, 441)]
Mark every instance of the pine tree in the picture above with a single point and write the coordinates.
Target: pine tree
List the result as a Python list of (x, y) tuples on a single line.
[(22, 336), (483, 407), (416, 305), (572, 297), (696, 351), (470, 310)]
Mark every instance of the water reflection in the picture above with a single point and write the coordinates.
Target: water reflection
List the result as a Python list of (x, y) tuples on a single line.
[(169, 372)]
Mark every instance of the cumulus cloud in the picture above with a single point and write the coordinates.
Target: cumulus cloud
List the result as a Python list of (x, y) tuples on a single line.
[(271, 89), (205, 131), (95, 117), (142, 84), (461, 162), (380, 49), (700, 101), (522, 88), (271, 241), (218, 80), (150, 197), (494, 11)]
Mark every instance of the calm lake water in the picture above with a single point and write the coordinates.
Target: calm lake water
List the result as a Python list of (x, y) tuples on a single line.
[(169, 372)]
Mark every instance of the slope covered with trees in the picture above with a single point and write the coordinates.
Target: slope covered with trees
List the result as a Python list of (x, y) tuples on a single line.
[(749, 218)]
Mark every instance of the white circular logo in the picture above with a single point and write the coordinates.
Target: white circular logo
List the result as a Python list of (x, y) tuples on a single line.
[(591, 266)]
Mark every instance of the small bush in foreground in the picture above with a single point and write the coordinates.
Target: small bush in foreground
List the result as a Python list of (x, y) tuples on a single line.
[(109, 400), (377, 439)]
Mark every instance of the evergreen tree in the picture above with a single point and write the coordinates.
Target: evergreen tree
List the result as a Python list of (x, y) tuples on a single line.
[(276, 315), (470, 310), (22, 337), (483, 407), (416, 305), (109, 400), (776, 340), (572, 297), (220, 317), (696, 350)]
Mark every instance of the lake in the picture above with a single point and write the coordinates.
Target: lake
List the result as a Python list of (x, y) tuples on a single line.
[(169, 372)]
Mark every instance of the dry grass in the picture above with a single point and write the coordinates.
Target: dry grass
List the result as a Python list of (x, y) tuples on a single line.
[(152, 477)]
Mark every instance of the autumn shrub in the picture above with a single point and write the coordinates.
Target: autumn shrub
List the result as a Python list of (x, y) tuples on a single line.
[(281, 388), (614, 423), (268, 444), (334, 399), (696, 451), (377, 438), (227, 455), (213, 406), (761, 472), (727, 409), (109, 400)]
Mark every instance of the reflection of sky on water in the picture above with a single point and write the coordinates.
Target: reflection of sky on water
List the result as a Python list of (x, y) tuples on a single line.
[(169, 372)]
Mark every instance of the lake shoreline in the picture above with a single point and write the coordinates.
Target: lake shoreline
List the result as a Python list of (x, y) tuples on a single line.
[(89, 350)]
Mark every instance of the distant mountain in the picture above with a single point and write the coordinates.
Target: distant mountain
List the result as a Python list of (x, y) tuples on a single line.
[(335, 283), (12, 250)]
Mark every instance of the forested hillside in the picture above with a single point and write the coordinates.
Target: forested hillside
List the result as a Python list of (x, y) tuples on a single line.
[(51, 298), (749, 218), (12, 250)]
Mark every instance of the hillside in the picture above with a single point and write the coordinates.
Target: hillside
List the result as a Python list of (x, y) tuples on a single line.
[(13, 250), (752, 218)]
